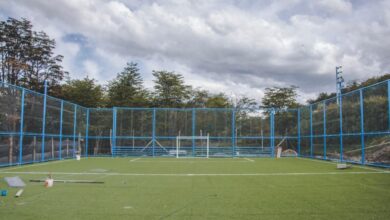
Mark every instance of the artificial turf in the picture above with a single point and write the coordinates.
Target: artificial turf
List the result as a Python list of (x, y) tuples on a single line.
[(170, 188)]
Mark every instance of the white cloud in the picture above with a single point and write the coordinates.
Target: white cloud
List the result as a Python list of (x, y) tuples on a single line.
[(235, 47), (92, 70)]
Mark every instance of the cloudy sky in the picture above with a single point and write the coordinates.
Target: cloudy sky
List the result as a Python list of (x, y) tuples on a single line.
[(231, 46)]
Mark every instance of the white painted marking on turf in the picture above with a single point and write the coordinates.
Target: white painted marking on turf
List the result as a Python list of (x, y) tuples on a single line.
[(135, 159), (127, 207), (205, 174), (250, 160), (190, 161), (334, 162), (36, 164)]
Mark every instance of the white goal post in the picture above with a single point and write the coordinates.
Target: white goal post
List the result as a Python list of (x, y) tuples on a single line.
[(180, 138)]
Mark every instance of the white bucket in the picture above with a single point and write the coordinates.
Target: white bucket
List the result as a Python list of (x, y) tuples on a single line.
[(78, 157), (49, 182)]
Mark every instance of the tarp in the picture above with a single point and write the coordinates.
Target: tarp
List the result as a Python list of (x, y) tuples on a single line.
[(15, 182)]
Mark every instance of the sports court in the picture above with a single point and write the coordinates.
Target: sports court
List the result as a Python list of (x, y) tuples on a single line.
[(197, 188)]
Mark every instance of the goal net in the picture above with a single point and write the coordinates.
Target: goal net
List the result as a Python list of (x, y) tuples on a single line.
[(192, 146)]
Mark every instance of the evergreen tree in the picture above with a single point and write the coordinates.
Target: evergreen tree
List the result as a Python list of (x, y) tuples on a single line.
[(170, 90), (126, 90)]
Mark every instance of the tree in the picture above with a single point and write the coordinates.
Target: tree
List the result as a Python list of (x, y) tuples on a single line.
[(198, 98), (170, 90), (218, 101), (126, 90), (246, 103), (280, 97), (27, 58), (84, 92)]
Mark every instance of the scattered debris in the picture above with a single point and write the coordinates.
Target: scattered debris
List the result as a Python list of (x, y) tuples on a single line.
[(15, 182), (49, 181), (19, 193), (342, 166), (4, 192), (68, 181)]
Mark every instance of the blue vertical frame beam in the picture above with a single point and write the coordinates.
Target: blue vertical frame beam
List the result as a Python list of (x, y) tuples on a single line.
[(74, 129), (299, 132), (44, 123), (154, 132), (193, 131), (114, 121), (272, 133), (311, 131), (61, 120), (341, 127), (363, 159), (324, 121), (388, 103), (86, 135), (21, 128), (233, 132)]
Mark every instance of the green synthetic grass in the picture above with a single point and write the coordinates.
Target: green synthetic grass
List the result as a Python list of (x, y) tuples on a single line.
[(169, 188)]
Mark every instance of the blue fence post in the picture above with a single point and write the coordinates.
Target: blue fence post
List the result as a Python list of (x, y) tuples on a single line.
[(233, 131), (311, 131), (114, 121), (21, 128), (388, 103), (324, 121), (154, 132), (299, 132), (44, 123), (74, 129), (86, 134), (61, 119), (193, 131), (272, 133), (362, 126), (341, 126)]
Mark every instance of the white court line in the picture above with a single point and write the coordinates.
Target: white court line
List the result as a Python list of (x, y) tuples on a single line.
[(36, 164), (334, 162), (188, 161), (135, 159), (250, 160), (203, 174)]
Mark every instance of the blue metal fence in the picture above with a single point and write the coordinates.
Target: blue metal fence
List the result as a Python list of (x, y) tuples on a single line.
[(353, 127)]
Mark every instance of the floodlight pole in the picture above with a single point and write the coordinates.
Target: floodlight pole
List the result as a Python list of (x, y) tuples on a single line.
[(339, 82), (339, 86)]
